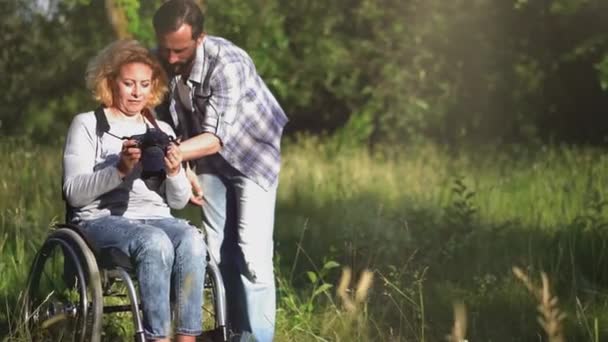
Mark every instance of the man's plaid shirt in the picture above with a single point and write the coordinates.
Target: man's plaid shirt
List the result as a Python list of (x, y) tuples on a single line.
[(241, 112)]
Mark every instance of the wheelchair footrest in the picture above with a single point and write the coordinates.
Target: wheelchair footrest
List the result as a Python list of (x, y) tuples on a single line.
[(116, 308)]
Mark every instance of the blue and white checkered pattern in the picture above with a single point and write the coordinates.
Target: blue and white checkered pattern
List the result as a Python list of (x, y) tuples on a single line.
[(242, 112)]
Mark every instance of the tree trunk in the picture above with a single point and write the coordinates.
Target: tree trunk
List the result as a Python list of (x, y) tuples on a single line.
[(118, 19)]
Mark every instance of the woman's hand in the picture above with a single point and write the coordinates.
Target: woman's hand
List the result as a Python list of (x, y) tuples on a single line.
[(129, 157), (173, 160)]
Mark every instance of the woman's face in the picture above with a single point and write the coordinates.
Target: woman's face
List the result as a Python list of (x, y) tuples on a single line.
[(133, 85)]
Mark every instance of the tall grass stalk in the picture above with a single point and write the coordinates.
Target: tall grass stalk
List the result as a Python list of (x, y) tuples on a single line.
[(551, 317)]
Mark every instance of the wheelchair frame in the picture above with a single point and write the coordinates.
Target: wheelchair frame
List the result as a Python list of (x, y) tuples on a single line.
[(93, 272)]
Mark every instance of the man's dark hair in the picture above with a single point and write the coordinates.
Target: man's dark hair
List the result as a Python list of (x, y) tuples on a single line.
[(171, 15)]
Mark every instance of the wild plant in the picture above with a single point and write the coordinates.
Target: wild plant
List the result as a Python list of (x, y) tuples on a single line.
[(462, 210), (460, 218), (303, 309), (404, 290)]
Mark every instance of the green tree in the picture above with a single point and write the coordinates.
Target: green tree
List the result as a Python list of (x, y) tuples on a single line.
[(42, 62), (374, 71)]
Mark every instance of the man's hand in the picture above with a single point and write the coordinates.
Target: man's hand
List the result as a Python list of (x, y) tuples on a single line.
[(197, 192), (129, 157)]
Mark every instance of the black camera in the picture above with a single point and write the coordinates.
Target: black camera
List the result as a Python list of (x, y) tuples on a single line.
[(153, 145)]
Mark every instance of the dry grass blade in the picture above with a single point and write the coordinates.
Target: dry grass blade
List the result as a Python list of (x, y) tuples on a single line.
[(342, 290), (459, 330), (363, 286), (551, 317), (350, 302)]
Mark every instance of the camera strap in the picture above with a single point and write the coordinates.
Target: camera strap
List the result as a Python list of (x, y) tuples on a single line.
[(146, 113), (101, 122), (103, 126)]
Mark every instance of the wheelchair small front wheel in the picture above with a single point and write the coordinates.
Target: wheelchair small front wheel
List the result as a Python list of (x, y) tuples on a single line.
[(63, 298)]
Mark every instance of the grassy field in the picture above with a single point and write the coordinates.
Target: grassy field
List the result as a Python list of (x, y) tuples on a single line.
[(435, 226)]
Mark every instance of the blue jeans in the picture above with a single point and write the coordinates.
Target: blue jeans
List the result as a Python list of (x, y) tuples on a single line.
[(168, 255), (238, 217)]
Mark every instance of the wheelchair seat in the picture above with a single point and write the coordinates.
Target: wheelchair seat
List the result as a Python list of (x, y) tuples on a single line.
[(107, 258)]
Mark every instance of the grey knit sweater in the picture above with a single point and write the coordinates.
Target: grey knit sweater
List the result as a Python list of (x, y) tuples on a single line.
[(92, 185)]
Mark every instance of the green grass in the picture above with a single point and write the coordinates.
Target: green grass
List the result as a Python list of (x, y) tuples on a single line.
[(435, 225)]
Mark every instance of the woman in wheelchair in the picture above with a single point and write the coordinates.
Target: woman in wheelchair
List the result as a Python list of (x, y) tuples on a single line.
[(120, 190)]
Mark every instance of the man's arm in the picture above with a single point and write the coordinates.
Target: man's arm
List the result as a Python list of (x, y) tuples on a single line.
[(199, 146), (227, 85)]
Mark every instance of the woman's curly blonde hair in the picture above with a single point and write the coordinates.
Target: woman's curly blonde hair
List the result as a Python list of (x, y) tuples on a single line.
[(104, 68)]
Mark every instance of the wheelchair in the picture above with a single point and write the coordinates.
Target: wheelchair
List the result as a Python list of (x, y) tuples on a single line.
[(72, 285)]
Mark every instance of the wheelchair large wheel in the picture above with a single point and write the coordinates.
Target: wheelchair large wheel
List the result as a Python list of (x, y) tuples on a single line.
[(63, 299), (215, 326)]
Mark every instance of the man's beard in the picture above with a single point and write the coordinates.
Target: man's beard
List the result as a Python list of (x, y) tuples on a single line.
[(177, 68), (181, 68)]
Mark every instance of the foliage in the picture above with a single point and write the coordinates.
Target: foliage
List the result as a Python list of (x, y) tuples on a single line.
[(372, 70), (42, 60), (137, 18)]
